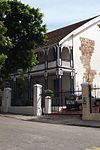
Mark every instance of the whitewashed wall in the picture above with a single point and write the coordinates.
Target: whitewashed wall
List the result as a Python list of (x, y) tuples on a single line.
[(93, 33)]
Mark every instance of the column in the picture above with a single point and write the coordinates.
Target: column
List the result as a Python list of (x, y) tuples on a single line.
[(6, 100), (37, 99), (86, 101), (48, 105)]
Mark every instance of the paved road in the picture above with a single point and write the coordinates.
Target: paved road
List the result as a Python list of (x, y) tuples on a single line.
[(25, 135)]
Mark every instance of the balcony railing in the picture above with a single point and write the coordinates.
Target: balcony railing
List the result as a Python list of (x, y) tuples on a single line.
[(52, 64)]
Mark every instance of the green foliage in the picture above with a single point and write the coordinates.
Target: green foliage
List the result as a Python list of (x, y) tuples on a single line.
[(34, 60), (2, 60), (4, 42), (24, 30), (48, 92)]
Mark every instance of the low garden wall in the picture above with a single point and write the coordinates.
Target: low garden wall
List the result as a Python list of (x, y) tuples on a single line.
[(24, 110)]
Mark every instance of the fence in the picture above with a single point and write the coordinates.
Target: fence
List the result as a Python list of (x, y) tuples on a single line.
[(95, 100), (73, 101), (22, 95), (22, 92), (32, 110), (62, 100)]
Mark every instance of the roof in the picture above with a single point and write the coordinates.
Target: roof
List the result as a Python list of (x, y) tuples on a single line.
[(57, 35)]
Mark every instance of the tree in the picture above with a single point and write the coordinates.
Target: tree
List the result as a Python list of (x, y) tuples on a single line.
[(2, 60), (4, 42), (25, 31)]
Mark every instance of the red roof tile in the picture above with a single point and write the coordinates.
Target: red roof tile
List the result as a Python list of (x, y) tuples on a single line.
[(57, 35)]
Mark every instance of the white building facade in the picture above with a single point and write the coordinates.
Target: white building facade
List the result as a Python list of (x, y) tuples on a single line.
[(89, 31)]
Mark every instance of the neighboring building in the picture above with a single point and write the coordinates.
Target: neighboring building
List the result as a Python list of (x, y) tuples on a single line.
[(60, 68)]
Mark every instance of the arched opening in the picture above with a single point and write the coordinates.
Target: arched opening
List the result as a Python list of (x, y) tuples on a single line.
[(65, 54), (52, 54)]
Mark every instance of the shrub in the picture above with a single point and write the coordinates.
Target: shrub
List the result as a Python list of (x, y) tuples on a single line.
[(48, 92)]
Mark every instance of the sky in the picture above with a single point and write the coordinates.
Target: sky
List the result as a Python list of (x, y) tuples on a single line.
[(60, 13)]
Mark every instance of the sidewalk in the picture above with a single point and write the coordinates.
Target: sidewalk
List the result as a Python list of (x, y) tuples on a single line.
[(74, 120)]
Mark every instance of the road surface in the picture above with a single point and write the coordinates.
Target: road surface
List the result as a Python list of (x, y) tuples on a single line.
[(26, 135)]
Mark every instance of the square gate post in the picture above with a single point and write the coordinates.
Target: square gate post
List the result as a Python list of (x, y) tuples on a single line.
[(6, 100), (86, 100), (37, 99), (48, 104)]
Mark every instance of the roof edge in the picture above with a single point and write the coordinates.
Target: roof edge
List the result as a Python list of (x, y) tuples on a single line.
[(80, 28), (73, 24)]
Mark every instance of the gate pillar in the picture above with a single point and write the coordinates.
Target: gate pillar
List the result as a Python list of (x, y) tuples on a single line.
[(6, 100), (85, 101), (37, 99), (47, 105)]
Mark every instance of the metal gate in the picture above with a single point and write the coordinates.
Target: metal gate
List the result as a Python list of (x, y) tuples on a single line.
[(65, 102), (94, 99)]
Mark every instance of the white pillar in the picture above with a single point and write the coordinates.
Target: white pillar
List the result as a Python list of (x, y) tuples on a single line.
[(37, 99), (86, 101), (47, 105), (6, 100)]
